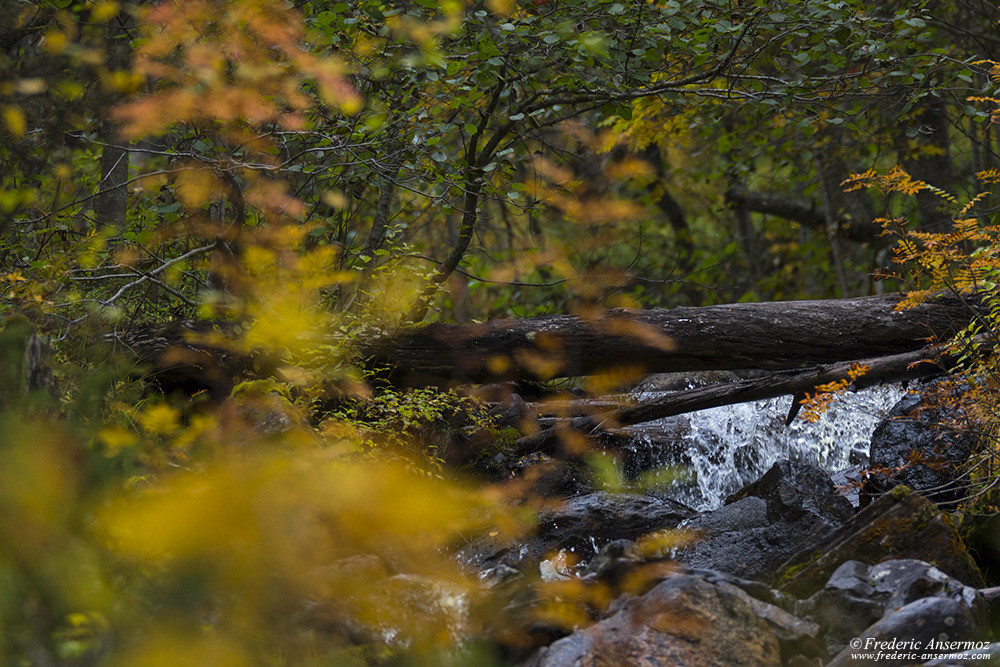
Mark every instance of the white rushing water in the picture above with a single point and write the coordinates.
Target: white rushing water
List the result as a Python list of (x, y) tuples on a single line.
[(728, 447)]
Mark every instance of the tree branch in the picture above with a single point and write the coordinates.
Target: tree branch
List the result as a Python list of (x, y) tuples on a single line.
[(803, 212)]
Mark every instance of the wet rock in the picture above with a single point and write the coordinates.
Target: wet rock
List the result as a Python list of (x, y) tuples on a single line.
[(683, 620), (751, 587), (845, 606), (546, 477), (492, 456), (766, 522), (900, 524), (795, 490), (905, 635), (735, 539), (796, 636), (266, 407), (848, 482), (648, 446), (614, 558), (582, 525), (913, 447), (680, 381), (858, 595), (499, 575), (601, 517)]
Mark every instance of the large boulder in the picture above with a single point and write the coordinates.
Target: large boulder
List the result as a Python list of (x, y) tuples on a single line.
[(762, 525), (908, 635), (796, 636), (917, 447), (684, 620), (858, 595), (797, 491), (900, 524)]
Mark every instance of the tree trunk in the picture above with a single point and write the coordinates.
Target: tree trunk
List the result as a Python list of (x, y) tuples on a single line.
[(110, 204), (779, 335), (776, 335)]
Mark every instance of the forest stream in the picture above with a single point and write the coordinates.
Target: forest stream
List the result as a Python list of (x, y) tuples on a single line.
[(727, 447)]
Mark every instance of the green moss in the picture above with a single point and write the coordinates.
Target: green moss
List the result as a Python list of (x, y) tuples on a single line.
[(503, 438), (900, 492), (792, 571), (17, 321), (501, 442), (260, 389)]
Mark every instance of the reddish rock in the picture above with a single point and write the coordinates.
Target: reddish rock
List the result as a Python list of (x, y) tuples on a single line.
[(684, 620)]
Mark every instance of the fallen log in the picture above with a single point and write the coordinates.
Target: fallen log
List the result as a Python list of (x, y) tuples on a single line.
[(798, 382), (771, 335)]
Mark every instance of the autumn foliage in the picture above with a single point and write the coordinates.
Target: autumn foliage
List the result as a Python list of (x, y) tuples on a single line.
[(308, 175)]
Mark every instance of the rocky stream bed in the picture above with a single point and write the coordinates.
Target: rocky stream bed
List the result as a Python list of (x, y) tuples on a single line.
[(789, 569)]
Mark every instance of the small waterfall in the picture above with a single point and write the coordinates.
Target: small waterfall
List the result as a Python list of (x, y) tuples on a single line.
[(727, 447)]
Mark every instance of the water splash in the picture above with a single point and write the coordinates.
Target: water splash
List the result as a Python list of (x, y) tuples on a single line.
[(728, 447)]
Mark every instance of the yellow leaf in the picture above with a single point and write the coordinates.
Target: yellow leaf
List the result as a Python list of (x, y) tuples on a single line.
[(103, 11), (116, 439), (31, 86), (160, 419), (14, 119), (335, 199), (126, 81), (197, 186), (55, 41), (501, 7)]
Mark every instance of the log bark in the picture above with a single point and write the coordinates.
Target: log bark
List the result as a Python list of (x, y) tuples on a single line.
[(775, 335), (892, 368), (771, 336)]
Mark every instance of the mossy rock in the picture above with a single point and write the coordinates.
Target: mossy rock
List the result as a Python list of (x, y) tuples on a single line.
[(497, 457), (261, 388), (267, 406), (900, 524)]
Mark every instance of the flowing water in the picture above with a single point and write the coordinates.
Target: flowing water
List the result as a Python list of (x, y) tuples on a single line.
[(722, 449)]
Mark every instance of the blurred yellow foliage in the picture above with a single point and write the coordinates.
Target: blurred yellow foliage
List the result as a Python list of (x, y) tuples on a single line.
[(272, 531), (160, 419), (170, 646), (14, 119)]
